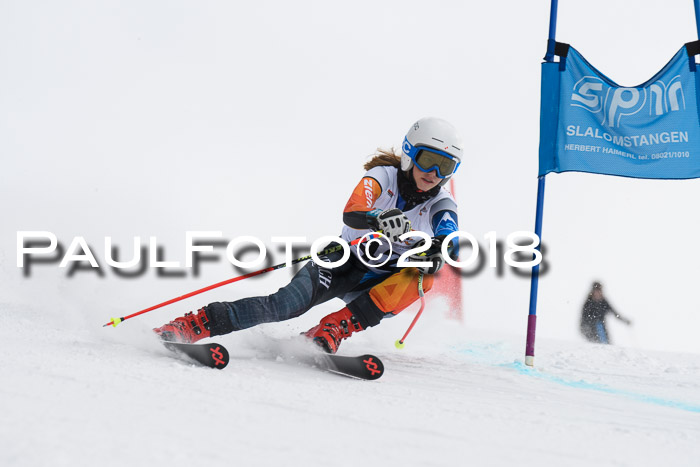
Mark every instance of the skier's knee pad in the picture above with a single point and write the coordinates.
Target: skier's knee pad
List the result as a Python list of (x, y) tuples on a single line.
[(400, 290)]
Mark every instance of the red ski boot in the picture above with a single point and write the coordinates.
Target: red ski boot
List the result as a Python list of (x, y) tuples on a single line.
[(189, 328), (334, 328)]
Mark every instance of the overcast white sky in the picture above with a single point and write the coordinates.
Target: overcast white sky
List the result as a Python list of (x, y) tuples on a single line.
[(154, 118)]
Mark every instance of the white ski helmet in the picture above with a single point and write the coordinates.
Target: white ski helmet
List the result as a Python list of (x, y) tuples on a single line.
[(436, 145)]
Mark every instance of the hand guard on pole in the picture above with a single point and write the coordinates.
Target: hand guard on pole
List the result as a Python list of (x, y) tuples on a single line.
[(393, 223), (432, 257)]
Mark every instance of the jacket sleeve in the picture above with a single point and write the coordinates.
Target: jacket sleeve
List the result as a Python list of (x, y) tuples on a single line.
[(616, 314), (361, 202), (444, 221)]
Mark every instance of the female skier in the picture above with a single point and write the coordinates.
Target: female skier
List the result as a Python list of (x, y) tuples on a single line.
[(397, 193)]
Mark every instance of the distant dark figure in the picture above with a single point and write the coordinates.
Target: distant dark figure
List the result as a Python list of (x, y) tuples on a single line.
[(593, 316)]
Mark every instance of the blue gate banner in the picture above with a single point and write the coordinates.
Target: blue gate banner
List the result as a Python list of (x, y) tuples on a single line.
[(590, 124)]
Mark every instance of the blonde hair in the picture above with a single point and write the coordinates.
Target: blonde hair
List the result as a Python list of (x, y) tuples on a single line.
[(384, 157)]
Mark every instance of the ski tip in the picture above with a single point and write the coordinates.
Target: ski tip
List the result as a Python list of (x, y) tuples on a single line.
[(374, 368), (209, 354), (219, 356)]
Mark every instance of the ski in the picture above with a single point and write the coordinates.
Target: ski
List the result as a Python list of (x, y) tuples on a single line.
[(211, 354), (368, 367)]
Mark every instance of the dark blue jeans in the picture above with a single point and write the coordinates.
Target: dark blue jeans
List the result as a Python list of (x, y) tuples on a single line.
[(311, 286)]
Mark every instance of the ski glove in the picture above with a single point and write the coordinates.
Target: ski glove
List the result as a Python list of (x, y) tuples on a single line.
[(393, 223), (432, 254)]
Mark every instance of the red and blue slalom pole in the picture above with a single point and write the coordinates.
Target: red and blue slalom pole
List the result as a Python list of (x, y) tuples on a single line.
[(534, 281)]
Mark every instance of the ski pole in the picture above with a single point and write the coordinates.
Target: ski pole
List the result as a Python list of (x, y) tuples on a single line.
[(114, 321), (400, 343)]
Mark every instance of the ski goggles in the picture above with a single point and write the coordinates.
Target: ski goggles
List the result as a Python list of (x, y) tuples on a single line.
[(429, 159)]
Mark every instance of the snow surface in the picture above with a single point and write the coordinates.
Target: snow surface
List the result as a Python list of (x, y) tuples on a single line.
[(453, 396), (133, 118)]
